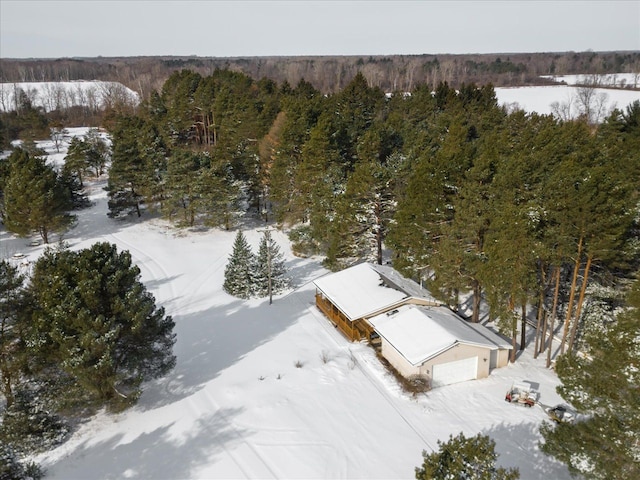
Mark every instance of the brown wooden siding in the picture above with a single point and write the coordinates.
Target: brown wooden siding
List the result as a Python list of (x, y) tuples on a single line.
[(355, 331)]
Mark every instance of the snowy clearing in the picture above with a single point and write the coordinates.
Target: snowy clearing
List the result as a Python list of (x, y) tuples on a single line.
[(617, 80), (62, 95), (541, 99), (273, 391)]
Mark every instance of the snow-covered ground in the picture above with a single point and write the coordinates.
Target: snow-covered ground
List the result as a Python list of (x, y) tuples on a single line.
[(541, 99), (615, 80), (272, 391), (61, 95)]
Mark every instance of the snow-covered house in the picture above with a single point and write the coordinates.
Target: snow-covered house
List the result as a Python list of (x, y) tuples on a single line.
[(435, 343), (349, 297), (419, 335)]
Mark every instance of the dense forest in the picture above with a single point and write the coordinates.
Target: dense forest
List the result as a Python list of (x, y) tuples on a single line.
[(456, 192), (329, 74), (526, 212)]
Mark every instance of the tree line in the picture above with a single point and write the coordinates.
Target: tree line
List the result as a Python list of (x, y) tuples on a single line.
[(518, 209), (329, 74)]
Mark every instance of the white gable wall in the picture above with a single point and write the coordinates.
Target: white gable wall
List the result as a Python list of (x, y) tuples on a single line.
[(455, 353)]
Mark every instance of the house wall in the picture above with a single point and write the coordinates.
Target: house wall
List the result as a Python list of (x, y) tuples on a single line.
[(503, 357), (398, 361), (459, 352)]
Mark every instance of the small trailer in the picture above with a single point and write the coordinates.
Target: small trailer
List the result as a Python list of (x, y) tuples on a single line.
[(523, 394)]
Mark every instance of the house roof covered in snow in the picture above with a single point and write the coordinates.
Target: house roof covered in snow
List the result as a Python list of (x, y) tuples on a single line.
[(420, 333), (365, 289)]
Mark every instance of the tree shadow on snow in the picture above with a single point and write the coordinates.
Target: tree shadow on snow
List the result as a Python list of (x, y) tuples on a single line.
[(168, 452), (517, 446), (214, 339), (302, 271)]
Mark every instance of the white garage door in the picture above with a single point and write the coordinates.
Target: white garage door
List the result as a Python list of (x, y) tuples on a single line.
[(454, 372)]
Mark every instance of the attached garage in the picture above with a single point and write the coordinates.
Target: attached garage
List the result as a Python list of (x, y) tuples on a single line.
[(454, 372), (435, 343)]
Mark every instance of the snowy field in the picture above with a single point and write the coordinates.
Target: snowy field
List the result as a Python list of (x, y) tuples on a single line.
[(61, 95), (616, 80), (541, 99), (252, 396)]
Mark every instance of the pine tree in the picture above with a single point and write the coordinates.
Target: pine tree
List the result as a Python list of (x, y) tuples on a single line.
[(365, 211), (76, 159), (96, 320), (604, 386), (35, 199), (270, 269), (12, 469), (28, 425), (239, 272), (97, 152), (12, 303), (182, 181), (464, 458), (71, 184), (129, 175)]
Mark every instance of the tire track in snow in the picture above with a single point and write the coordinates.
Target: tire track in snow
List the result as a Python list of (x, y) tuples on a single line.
[(376, 384), (392, 402), (241, 440), (200, 281)]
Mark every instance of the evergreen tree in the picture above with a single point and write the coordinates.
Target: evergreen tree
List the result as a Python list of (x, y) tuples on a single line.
[(29, 427), (604, 386), (76, 159), (97, 152), (129, 175), (182, 187), (464, 458), (301, 109), (12, 469), (221, 195), (239, 272), (12, 304), (71, 184), (96, 320), (34, 198), (270, 269)]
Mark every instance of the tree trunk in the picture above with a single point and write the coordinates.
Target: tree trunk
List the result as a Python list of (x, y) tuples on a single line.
[(6, 388), (44, 234), (541, 330), (514, 331), (553, 315), (523, 327), (583, 288), (477, 297), (543, 333), (572, 295), (538, 324), (379, 233)]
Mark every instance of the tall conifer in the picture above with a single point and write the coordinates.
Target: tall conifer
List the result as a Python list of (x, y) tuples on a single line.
[(239, 272)]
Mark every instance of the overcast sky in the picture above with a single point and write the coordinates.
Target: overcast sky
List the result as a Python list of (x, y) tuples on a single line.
[(53, 29)]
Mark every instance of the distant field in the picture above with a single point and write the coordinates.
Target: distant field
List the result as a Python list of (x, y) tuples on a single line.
[(61, 95)]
